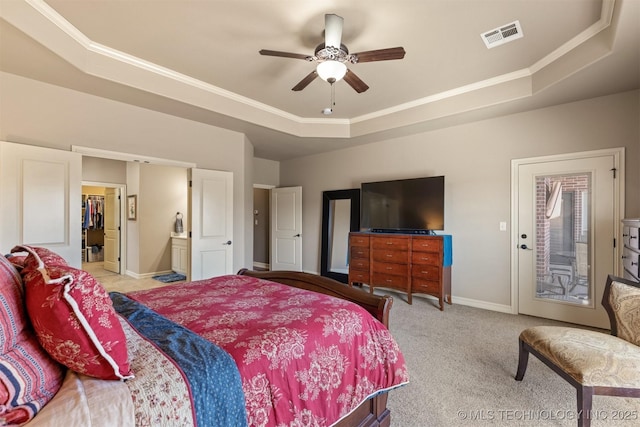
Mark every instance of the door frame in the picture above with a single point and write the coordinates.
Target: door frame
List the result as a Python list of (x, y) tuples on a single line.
[(123, 218), (618, 208), (267, 187)]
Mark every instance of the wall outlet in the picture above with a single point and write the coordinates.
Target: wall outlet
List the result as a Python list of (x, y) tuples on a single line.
[(503, 226)]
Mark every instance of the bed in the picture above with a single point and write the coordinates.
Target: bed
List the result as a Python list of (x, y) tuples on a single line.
[(314, 329)]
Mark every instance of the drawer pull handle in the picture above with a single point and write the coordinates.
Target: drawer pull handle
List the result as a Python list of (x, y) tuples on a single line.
[(633, 237), (625, 235), (425, 272), (389, 268), (389, 243), (389, 255), (388, 280)]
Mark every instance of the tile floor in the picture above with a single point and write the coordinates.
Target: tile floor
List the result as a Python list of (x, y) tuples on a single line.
[(118, 282)]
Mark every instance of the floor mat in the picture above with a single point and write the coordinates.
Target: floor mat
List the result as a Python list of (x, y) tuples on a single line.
[(171, 277)]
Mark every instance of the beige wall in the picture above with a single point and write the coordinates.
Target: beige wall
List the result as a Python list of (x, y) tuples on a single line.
[(266, 172), (163, 192), (104, 170), (475, 158), (476, 161), (45, 115)]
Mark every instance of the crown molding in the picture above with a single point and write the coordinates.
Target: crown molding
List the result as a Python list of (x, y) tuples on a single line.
[(40, 21)]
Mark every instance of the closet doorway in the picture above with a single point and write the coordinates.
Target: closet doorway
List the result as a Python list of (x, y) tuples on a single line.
[(102, 233)]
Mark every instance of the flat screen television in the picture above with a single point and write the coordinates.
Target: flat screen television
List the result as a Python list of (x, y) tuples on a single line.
[(403, 206)]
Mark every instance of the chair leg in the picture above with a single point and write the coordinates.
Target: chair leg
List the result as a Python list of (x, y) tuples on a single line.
[(585, 400), (523, 360)]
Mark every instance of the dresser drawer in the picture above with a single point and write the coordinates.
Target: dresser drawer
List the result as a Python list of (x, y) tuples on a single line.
[(425, 286), (358, 240), (393, 243), (426, 258), (390, 268), (381, 279), (427, 244), (358, 276), (630, 236), (390, 256), (359, 264), (358, 252), (630, 261), (429, 272)]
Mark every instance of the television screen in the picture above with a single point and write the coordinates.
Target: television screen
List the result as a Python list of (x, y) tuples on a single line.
[(403, 205)]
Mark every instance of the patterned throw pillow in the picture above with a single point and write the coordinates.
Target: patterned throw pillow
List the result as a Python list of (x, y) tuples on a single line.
[(29, 377), (46, 256), (75, 322), (17, 259)]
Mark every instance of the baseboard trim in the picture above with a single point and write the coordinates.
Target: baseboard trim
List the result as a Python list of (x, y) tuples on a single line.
[(262, 265), (482, 304), (146, 275)]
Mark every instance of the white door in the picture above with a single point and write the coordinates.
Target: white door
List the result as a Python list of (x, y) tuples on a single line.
[(286, 229), (566, 228), (40, 199), (211, 222), (112, 229)]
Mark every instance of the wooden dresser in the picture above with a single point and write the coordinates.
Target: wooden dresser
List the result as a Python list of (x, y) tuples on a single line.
[(403, 262)]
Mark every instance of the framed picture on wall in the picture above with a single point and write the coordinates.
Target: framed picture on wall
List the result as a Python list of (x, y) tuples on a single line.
[(132, 207)]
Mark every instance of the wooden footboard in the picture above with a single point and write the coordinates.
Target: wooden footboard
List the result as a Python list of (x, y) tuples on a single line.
[(373, 412), (378, 306)]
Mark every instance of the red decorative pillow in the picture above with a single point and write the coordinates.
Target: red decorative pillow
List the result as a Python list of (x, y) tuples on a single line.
[(29, 377), (45, 257), (75, 322)]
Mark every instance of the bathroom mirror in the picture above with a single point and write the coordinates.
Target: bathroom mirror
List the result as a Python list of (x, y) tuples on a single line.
[(340, 215)]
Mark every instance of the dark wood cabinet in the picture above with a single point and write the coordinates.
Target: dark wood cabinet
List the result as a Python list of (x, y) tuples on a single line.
[(407, 263), (359, 258)]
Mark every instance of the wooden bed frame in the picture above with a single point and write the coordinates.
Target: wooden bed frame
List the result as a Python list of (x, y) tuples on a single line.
[(373, 412)]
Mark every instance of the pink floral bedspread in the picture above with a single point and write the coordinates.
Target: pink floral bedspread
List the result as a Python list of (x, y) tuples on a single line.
[(304, 358)]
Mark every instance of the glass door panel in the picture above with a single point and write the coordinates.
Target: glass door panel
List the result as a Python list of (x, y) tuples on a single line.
[(563, 238)]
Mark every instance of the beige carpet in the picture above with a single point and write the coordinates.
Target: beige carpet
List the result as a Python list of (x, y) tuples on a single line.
[(462, 362)]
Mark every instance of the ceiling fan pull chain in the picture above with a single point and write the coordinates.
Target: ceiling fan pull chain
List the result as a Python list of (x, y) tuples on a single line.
[(333, 95)]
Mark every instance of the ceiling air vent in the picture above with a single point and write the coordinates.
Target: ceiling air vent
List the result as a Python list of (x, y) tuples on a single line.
[(502, 35)]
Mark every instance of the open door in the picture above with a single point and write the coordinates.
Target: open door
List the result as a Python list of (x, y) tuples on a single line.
[(286, 229), (112, 229), (211, 222)]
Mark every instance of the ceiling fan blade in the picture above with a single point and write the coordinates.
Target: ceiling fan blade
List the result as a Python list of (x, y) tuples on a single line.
[(285, 54), (380, 54), (355, 82), (333, 30), (305, 82)]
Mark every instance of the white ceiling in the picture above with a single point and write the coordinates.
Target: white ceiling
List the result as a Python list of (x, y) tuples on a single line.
[(199, 60)]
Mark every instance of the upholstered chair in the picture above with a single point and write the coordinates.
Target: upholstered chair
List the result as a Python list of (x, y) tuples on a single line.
[(593, 362)]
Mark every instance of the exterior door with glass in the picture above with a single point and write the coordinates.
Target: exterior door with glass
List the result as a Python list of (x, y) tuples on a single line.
[(567, 220)]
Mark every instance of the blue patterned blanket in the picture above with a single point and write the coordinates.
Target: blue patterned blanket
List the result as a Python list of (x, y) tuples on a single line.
[(212, 374)]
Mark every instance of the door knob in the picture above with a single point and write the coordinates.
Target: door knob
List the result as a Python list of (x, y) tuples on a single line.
[(525, 247), (297, 235), (228, 242)]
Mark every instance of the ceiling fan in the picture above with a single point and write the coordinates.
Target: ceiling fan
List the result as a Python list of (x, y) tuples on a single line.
[(332, 57)]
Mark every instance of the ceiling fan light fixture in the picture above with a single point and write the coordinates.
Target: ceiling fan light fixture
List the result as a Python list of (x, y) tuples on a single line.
[(331, 70)]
